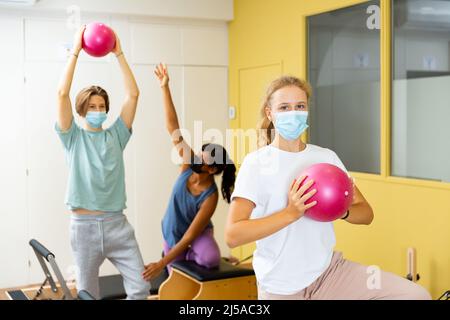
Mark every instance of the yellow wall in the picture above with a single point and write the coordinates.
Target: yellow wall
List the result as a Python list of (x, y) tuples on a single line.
[(267, 38)]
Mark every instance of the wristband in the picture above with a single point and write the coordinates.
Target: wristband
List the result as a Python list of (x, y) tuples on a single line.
[(346, 216)]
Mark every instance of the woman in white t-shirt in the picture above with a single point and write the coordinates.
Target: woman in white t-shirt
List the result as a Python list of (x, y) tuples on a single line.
[(294, 256)]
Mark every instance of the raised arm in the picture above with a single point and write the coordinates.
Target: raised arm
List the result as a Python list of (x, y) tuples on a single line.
[(172, 124), (131, 88), (65, 115), (197, 226)]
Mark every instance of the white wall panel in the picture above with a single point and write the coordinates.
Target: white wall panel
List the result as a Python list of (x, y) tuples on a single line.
[(13, 214), (152, 44), (205, 46), (48, 217)]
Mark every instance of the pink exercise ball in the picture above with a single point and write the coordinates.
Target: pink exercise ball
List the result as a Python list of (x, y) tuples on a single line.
[(334, 192), (98, 39)]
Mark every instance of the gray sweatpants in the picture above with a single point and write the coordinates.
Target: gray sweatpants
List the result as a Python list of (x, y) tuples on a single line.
[(95, 238), (347, 280)]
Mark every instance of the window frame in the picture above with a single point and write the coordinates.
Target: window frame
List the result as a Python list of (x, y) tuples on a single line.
[(386, 81)]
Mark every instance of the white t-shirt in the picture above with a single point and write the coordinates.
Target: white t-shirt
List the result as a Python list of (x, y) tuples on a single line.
[(291, 259)]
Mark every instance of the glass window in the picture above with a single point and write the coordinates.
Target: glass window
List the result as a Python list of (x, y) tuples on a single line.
[(344, 71), (421, 90)]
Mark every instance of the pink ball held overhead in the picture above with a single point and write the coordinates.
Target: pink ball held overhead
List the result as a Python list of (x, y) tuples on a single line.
[(98, 39)]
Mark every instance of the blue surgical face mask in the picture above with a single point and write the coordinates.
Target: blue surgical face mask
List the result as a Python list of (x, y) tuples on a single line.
[(291, 124), (95, 119)]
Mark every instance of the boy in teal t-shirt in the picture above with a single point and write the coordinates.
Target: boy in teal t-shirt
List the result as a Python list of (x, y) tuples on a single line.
[(96, 167), (96, 188)]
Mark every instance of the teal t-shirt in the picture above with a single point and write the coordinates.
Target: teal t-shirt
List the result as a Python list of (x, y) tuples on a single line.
[(96, 167)]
